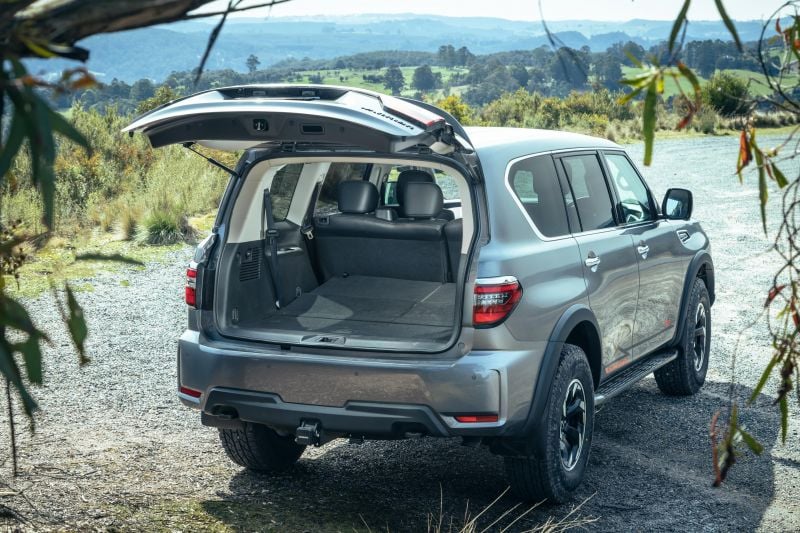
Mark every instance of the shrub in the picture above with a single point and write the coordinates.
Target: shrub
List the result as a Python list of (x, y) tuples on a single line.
[(726, 93), (164, 227), (706, 120)]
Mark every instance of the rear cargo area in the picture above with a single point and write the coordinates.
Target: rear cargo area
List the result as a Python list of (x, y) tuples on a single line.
[(368, 306), (357, 270)]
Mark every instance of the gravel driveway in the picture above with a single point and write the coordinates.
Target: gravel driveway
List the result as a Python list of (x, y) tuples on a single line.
[(113, 447)]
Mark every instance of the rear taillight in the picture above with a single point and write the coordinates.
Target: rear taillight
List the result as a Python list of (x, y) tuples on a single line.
[(494, 300), (191, 286)]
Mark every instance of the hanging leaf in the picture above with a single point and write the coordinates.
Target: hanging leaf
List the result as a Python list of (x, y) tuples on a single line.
[(745, 153), (66, 129), (16, 134), (751, 442), (763, 380), (780, 179), (649, 121), (763, 194), (728, 24), (680, 20)]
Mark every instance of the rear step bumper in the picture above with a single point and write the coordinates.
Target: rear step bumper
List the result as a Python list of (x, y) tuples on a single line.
[(350, 394), (362, 419)]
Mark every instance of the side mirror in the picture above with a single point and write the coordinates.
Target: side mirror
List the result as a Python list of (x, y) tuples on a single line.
[(677, 204)]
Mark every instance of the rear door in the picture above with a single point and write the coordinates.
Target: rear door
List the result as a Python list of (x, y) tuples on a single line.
[(659, 253), (238, 118), (608, 255)]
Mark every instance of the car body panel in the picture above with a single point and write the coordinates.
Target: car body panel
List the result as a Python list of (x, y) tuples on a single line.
[(661, 272), (613, 289)]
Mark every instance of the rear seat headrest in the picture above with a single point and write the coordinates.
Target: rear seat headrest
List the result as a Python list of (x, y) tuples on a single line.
[(357, 197), (421, 200), (410, 176)]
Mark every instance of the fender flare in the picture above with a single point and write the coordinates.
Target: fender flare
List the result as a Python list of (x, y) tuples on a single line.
[(573, 316), (701, 259)]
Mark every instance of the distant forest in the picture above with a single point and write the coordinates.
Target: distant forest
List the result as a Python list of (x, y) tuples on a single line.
[(477, 79)]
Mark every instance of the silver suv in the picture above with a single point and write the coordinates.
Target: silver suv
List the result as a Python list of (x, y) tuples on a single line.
[(378, 271)]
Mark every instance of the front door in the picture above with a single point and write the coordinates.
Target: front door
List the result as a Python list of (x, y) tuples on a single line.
[(659, 252), (610, 266)]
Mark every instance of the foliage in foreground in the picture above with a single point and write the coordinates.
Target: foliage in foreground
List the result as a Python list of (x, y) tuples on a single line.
[(782, 302)]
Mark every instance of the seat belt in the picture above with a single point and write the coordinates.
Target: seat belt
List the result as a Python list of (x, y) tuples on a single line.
[(307, 229), (270, 234)]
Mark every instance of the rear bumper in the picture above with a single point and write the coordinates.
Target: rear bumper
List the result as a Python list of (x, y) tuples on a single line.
[(353, 395)]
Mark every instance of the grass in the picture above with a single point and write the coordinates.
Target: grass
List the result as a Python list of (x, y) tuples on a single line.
[(354, 78), (56, 261), (758, 82)]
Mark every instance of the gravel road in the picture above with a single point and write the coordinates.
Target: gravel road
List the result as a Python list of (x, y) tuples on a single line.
[(114, 449)]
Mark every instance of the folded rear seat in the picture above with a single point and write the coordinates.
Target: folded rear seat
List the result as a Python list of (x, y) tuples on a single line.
[(356, 242)]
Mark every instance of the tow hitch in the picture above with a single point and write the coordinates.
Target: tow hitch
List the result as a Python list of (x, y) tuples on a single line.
[(308, 434)]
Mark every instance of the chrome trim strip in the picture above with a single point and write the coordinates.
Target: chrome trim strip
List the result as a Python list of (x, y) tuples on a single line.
[(497, 280)]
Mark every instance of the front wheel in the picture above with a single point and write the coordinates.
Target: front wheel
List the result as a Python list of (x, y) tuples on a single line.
[(557, 466), (260, 448), (685, 375)]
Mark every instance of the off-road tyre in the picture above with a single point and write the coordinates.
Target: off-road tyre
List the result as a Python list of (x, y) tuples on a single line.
[(259, 448), (685, 375), (543, 474)]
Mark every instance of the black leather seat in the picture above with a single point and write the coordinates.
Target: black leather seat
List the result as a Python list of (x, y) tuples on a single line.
[(416, 176), (357, 242)]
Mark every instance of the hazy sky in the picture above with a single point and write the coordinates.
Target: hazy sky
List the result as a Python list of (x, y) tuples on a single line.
[(527, 9)]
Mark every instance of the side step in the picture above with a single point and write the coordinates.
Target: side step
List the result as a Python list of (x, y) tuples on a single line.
[(620, 381)]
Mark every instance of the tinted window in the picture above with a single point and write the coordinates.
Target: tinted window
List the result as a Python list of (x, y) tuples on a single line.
[(327, 202), (535, 182), (590, 190), (633, 198), (282, 189)]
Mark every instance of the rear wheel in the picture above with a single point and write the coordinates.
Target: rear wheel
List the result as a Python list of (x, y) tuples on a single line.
[(557, 466), (685, 375), (260, 448)]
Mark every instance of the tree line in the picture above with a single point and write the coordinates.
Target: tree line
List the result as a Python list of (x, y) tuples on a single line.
[(481, 78)]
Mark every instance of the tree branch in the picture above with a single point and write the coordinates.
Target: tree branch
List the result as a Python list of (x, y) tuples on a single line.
[(64, 22)]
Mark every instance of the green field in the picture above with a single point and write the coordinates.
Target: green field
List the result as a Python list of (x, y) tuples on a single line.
[(355, 78), (758, 85)]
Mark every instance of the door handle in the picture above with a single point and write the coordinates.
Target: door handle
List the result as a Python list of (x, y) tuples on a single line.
[(643, 250), (592, 262)]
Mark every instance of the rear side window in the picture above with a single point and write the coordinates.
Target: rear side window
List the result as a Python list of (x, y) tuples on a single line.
[(327, 202), (446, 183), (282, 189), (535, 183), (590, 191), (633, 197)]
